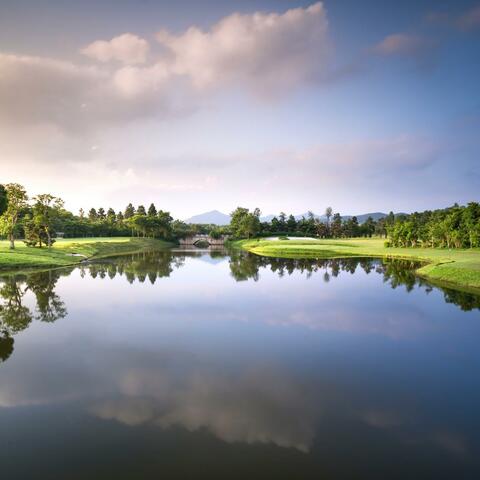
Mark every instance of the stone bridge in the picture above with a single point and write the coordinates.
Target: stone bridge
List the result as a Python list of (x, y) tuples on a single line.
[(202, 238)]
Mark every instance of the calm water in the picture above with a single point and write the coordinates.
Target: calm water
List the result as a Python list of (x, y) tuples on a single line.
[(203, 364)]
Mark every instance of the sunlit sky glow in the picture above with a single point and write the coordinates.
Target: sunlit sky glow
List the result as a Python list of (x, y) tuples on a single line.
[(201, 105)]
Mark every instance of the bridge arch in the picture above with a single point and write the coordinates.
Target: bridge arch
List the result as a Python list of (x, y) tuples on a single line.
[(199, 238)]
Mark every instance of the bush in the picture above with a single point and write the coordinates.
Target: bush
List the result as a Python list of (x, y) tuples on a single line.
[(387, 244)]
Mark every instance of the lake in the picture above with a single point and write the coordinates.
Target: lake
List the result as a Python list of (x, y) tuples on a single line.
[(216, 364)]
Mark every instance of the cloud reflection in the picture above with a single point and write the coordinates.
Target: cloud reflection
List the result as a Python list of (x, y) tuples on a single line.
[(259, 406)]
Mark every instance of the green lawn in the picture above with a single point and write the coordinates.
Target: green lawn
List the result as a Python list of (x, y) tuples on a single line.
[(458, 268), (23, 258)]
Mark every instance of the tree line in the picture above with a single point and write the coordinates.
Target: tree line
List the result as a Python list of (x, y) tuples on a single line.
[(40, 218), (246, 224), (453, 227)]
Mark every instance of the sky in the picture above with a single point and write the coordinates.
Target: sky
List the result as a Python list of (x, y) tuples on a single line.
[(283, 105)]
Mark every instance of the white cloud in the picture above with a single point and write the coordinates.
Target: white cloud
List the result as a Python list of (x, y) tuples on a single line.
[(126, 48), (39, 90), (264, 51)]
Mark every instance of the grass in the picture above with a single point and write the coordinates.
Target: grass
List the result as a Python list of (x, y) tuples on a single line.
[(62, 252), (457, 268)]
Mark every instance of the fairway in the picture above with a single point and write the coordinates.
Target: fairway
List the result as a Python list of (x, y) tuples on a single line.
[(459, 268)]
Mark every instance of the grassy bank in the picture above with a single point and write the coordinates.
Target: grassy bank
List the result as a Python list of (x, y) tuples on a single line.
[(71, 251), (456, 268)]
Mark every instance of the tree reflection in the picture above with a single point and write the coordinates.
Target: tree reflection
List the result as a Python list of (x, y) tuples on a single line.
[(141, 267), (395, 272), (49, 305), (6, 346), (15, 316), (147, 267)]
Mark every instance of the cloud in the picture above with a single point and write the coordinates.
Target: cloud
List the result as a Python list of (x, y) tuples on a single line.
[(263, 51), (126, 48), (402, 153), (39, 90), (403, 44)]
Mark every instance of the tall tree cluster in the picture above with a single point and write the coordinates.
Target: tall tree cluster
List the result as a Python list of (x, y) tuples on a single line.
[(454, 227), (38, 220), (246, 224)]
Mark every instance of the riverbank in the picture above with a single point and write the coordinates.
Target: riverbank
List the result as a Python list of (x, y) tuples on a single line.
[(71, 251), (459, 268)]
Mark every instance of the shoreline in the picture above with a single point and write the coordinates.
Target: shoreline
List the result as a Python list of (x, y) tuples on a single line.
[(71, 252), (455, 269)]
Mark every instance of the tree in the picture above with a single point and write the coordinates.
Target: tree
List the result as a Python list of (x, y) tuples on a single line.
[(138, 223), (351, 227), (164, 225), (336, 228), (16, 202), (369, 227), (92, 215), (101, 213), (322, 230), (34, 234), (3, 199), (275, 225), (111, 215), (129, 211), (152, 211), (389, 220), (245, 223), (291, 224), (237, 217), (45, 213), (328, 215), (141, 210), (251, 224)]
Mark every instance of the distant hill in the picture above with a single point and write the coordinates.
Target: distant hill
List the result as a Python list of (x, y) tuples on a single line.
[(218, 218), (363, 217), (214, 217)]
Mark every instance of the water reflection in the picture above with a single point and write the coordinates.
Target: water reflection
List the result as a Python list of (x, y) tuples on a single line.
[(395, 272), (150, 266), (257, 406), (15, 316), (310, 365)]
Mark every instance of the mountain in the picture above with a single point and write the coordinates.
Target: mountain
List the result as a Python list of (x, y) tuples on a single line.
[(363, 217), (214, 217)]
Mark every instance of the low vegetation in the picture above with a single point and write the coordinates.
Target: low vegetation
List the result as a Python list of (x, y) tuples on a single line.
[(459, 268)]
